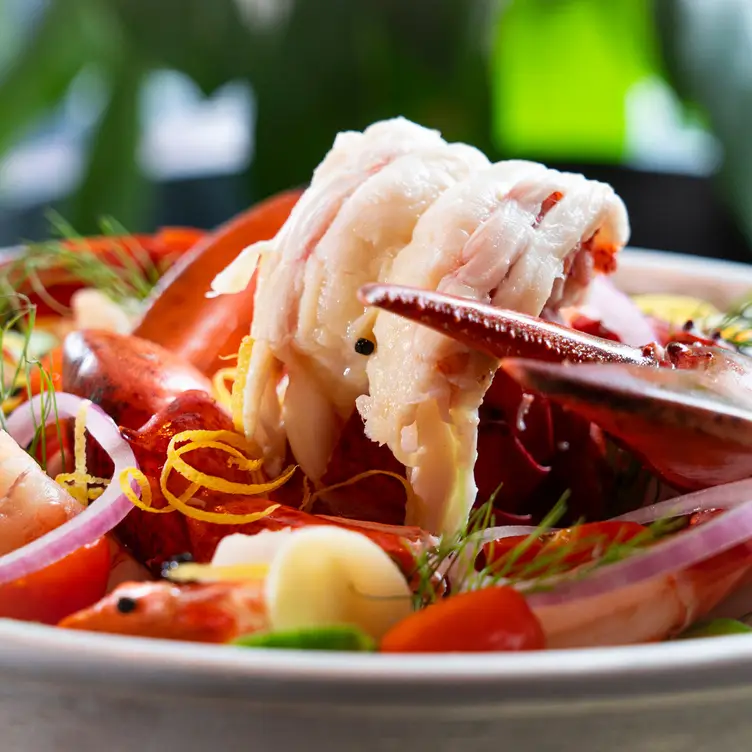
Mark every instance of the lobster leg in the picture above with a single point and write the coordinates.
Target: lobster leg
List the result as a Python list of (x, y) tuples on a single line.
[(500, 333)]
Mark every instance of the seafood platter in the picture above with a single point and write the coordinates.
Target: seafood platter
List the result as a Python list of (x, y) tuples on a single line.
[(421, 454)]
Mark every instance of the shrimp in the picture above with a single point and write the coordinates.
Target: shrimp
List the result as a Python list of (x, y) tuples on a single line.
[(205, 612), (648, 611), (282, 580), (31, 503), (357, 215), (516, 235)]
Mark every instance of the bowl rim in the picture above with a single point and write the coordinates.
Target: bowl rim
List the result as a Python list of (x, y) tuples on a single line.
[(36, 651)]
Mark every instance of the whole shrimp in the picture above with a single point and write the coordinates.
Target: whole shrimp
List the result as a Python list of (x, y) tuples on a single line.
[(649, 611), (213, 612)]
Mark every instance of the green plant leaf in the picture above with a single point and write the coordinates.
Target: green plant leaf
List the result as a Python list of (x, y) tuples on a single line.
[(716, 628), (113, 184), (706, 47), (43, 70), (342, 638)]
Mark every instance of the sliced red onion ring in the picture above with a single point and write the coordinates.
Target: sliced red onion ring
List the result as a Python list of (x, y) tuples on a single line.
[(727, 496), (509, 531), (99, 517), (677, 552)]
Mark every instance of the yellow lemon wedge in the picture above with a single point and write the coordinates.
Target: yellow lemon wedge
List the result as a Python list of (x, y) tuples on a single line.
[(327, 575)]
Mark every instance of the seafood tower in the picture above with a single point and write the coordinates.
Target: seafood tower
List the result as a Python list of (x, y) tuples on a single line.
[(398, 204)]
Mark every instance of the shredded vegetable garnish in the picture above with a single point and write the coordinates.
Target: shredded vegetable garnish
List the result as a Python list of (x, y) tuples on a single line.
[(235, 445), (79, 484), (132, 475), (309, 498), (221, 393), (238, 387)]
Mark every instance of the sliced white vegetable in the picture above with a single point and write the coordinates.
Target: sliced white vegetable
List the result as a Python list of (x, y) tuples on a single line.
[(250, 549), (327, 575)]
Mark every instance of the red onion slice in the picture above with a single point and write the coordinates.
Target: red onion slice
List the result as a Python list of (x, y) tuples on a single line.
[(678, 552), (99, 517), (727, 496)]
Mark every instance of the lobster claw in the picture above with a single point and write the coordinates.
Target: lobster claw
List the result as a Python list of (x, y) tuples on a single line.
[(497, 332), (129, 378), (692, 424), (692, 427)]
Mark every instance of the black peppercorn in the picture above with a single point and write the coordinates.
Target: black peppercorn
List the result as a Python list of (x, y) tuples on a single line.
[(126, 605), (365, 346)]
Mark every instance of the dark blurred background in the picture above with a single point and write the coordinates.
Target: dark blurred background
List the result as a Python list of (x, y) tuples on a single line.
[(185, 111)]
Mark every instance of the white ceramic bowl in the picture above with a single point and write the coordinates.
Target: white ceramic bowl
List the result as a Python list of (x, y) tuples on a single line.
[(74, 692)]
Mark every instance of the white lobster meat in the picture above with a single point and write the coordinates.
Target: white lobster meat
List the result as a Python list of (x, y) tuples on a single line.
[(398, 204)]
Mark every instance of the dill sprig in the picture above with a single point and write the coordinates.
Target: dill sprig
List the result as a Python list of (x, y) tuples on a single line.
[(552, 564), (429, 575), (22, 318), (460, 553), (125, 274), (493, 574)]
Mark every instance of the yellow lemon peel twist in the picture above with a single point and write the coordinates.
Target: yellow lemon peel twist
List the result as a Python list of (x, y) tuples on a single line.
[(235, 445), (222, 394), (79, 483), (238, 386)]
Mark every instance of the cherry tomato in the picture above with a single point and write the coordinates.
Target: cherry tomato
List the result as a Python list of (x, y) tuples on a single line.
[(585, 542), (75, 582), (489, 620)]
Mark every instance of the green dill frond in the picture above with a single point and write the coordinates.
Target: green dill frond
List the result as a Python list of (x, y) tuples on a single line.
[(126, 273), (22, 319), (463, 549), (493, 575), (546, 570), (735, 325), (542, 573), (429, 574)]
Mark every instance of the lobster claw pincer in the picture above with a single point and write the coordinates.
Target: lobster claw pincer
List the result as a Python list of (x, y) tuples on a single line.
[(501, 333), (682, 423), (691, 422)]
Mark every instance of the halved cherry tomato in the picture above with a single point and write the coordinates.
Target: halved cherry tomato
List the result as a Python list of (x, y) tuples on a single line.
[(50, 594), (489, 620), (584, 543), (571, 546)]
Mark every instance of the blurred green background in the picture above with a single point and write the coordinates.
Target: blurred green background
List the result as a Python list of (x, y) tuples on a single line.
[(186, 111)]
